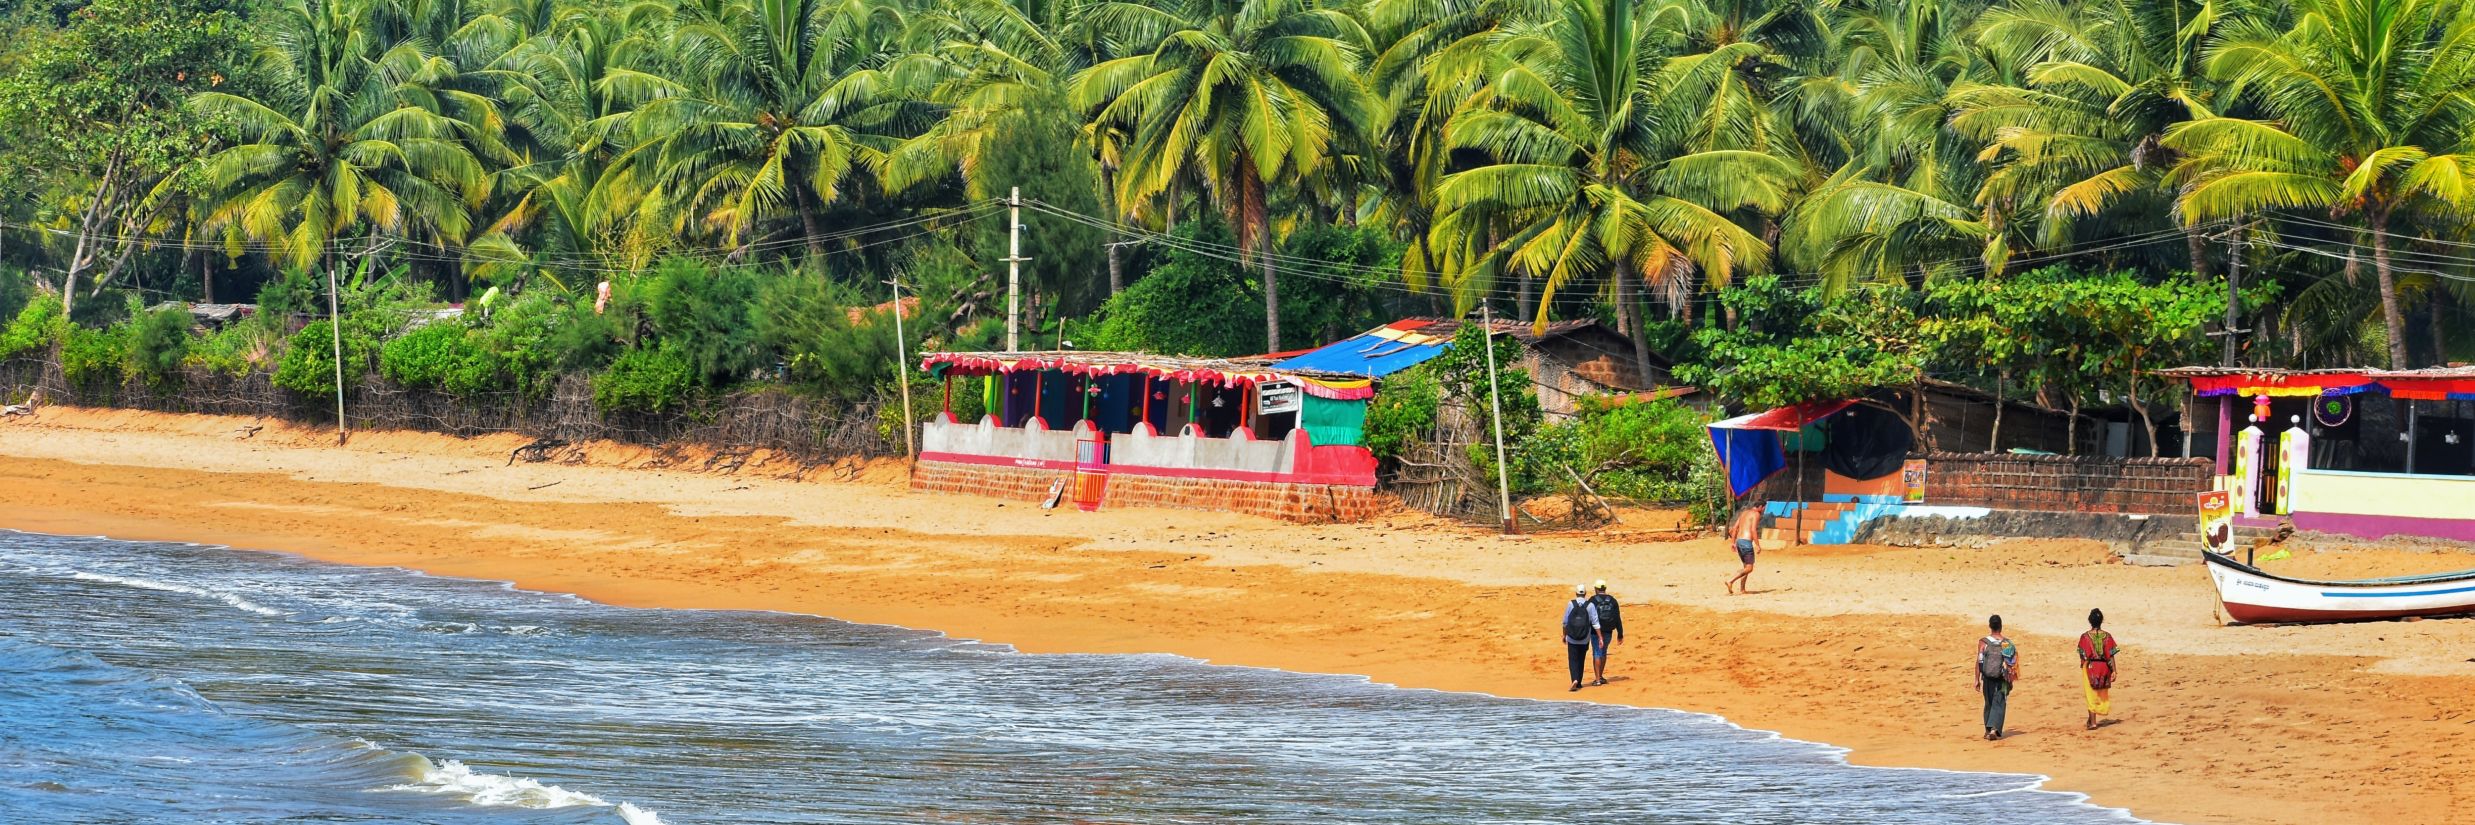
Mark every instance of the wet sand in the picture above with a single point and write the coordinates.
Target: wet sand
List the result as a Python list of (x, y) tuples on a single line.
[(1862, 647)]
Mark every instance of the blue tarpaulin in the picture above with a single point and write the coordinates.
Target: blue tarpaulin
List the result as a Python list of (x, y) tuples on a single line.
[(1377, 353), (1749, 445)]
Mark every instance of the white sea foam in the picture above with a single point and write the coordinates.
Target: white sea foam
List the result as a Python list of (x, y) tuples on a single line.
[(169, 587), (454, 778)]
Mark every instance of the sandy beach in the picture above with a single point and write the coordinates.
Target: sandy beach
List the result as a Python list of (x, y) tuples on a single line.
[(1861, 647)]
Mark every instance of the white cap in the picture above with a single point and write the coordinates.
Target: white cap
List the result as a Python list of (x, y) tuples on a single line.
[(1581, 590)]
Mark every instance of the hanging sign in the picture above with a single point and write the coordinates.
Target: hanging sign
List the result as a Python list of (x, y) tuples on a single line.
[(1276, 397)]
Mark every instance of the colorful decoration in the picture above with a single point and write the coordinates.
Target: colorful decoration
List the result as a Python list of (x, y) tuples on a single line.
[(1220, 373), (2295, 452), (2260, 408), (2334, 411)]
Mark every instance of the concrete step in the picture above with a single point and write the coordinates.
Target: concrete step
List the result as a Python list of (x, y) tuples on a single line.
[(2149, 560), (2178, 549)]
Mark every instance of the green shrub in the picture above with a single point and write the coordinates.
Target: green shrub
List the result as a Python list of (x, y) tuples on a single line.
[(424, 357), (93, 357), (308, 365), (1403, 412), (234, 350), (37, 326), (700, 314), (157, 343), (644, 380)]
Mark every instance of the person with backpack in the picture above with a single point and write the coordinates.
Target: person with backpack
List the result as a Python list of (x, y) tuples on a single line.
[(1611, 622), (1998, 668), (1581, 631), (2097, 651)]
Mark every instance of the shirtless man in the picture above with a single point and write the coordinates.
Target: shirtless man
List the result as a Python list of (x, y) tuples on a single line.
[(1744, 530)]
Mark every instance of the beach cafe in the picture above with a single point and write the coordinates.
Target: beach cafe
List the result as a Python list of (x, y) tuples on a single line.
[(2363, 452), (1138, 429)]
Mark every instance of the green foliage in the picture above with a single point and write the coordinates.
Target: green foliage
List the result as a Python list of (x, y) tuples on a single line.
[(158, 343), (1035, 150), (1793, 346), (645, 381), (700, 314), (308, 363), (1403, 413), (1654, 451), (94, 357), (1189, 305), (234, 350), (36, 327), (823, 349), (425, 357)]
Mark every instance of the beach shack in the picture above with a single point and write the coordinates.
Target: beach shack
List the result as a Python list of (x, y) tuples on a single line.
[(2361, 452), (1133, 429)]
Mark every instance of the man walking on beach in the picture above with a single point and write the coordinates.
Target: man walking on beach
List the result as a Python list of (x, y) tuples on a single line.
[(1581, 631), (1997, 667), (2097, 651), (1611, 633), (1745, 530)]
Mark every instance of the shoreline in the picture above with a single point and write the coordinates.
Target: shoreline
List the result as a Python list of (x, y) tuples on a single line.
[(2034, 783), (1405, 601)]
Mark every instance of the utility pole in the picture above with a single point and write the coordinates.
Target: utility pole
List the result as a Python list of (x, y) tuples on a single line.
[(1014, 271), (335, 324), (1495, 403), (902, 376)]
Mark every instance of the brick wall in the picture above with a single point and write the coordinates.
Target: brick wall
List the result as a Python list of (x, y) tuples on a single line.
[(1307, 503), (2085, 484)]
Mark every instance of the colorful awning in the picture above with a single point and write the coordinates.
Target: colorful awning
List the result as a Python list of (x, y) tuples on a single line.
[(1785, 419), (1198, 371)]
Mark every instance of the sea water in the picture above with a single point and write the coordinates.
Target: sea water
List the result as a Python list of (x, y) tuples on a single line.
[(151, 682)]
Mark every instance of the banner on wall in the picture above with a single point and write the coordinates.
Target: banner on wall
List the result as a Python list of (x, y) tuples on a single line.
[(2216, 521), (1912, 481), (1276, 397)]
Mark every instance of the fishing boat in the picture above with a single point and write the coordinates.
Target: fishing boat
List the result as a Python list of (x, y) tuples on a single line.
[(2255, 596)]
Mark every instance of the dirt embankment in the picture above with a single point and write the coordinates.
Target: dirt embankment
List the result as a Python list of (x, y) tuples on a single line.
[(1862, 647)]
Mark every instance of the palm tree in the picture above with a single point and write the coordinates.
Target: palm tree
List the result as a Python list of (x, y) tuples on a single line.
[(2372, 112), (1592, 181), (2078, 139), (354, 138), (787, 104), (1241, 95)]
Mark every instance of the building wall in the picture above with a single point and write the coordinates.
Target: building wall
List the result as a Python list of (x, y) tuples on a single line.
[(2085, 484), (2378, 505), (1305, 503)]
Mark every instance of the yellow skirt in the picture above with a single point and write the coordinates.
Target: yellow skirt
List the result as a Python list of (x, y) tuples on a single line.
[(2098, 702)]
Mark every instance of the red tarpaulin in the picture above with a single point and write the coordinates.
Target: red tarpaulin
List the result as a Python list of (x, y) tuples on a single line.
[(1785, 419)]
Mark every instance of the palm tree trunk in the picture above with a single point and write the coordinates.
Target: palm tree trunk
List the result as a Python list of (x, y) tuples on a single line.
[(807, 225), (1628, 308), (2197, 244), (2440, 326), (1523, 302), (1108, 196), (2388, 290), (1993, 444), (1255, 224)]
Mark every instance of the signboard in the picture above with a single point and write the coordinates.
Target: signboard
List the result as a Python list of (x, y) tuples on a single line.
[(1912, 481), (1276, 397), (2216, 521)]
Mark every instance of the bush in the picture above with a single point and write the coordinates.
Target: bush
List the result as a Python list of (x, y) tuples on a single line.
[(1647, 451), (234, 350), (37, 326), (93, 357), (1403, 413), (644, 380), (700, 314), (308, 365), (425, 357), (157, 343)]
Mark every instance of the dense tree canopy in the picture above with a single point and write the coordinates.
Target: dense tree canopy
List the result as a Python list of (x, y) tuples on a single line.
[(1310, 163)]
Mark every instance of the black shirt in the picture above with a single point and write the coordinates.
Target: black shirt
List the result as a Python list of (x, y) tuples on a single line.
[(1609, 620)]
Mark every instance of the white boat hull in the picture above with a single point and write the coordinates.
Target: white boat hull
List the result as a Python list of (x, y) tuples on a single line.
[(2251, 596)]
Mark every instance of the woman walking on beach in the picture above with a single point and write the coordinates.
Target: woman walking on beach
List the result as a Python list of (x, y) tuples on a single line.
[(2097, 651)]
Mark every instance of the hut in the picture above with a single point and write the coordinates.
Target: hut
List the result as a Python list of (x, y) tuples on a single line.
[(1215, 434), (2362, 452)]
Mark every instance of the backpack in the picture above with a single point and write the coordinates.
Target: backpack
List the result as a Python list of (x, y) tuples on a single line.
[(1577, 620), (1991, 662), (2097, 649), (1608, 616)]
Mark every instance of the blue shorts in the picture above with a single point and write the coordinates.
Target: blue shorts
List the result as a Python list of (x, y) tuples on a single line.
[(1744, 550), (1598, 645)]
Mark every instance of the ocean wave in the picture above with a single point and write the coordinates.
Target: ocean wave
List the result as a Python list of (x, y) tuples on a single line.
[(169, 587), (454, 778)]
